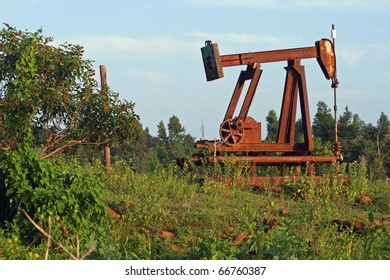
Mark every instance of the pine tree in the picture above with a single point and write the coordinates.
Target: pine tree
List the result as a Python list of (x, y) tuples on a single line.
[(272, 126), (323, 123)]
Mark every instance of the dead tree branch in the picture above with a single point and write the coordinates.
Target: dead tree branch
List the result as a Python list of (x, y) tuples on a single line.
[(48, 241), (50, 238)]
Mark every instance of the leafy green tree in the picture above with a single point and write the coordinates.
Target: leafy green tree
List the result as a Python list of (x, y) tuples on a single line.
[(180, 143), (162, 133), (140, 153), (167, 147), (299, 136), (52, 91), (323, 123), (349, 125), (344, 124), (162, 143), (356, 126), (272, 126), (350, 128), (383, 146), (376, 149), (175, 129), (148, 158), (383, 126)]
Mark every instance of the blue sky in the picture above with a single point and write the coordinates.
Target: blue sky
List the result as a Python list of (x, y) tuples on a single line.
[(152, 51)]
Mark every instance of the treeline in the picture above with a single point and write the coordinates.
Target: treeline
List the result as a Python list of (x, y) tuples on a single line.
[(358, 139), (144, 152)]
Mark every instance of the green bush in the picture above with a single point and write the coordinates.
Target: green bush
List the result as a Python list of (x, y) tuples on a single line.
[(164, 214), (70, 194)]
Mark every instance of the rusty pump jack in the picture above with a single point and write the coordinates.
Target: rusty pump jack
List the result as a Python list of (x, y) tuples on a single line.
[(241, 135)]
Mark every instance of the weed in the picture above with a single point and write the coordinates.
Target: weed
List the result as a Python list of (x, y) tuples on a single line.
[(167, 214)]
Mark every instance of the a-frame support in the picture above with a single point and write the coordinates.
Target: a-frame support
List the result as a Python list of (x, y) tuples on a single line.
[(252, 73), (295, 85)]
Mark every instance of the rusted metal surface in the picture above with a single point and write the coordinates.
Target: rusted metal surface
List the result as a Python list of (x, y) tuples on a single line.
[(326, 58), (253, 147), (252, 73), (236, 131), (274, 160), (295, 85), (241, 135), (268, 56)]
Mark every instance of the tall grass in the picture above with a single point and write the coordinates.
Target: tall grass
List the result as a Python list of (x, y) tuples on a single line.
[(175, 217), (174, 214)]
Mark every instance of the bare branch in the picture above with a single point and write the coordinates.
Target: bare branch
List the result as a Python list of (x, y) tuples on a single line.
[(69, 144), (49, 236), (51, 239), (78, 246), (89, 251), (59, 149), (48, 240)]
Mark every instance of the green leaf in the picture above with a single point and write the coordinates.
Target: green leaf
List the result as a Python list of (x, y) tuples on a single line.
[(371, 217)]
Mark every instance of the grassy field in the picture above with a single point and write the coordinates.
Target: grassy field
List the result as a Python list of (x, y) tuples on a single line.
[(163, 216), (169, 214)]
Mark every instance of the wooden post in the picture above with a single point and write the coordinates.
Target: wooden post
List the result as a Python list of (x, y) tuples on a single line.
[(107, 158), (107, 150)]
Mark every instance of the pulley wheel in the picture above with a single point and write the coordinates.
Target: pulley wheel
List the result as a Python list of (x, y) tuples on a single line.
[(232, 131)]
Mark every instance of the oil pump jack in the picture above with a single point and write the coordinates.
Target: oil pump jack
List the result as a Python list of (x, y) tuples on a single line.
[(240, 136)]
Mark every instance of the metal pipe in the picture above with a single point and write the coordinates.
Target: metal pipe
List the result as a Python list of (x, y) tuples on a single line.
[(275, 159), (268, 56), (335, 83)]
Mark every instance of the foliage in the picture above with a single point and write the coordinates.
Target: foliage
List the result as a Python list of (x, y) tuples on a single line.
[(53, 91), (366, 140), (68, 193), (180, 144), (166, 214), (272, 126), (375, 146), (171, 142), (357, 138), (323, 123)]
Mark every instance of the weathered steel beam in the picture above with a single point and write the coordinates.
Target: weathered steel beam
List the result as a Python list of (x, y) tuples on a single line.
[(270, 160), (253, 147), (268, 56)]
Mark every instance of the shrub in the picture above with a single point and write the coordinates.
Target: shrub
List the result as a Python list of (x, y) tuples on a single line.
[(66, 192)]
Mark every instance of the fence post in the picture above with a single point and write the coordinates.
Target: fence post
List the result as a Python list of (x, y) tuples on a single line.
[(107, 150)]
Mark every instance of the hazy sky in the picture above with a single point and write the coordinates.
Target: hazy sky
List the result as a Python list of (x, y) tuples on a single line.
[(152, 51)]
